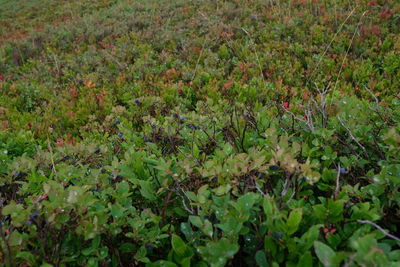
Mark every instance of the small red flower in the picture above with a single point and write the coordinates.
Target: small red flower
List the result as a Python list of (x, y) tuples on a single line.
[(59, 142), (286, 105)]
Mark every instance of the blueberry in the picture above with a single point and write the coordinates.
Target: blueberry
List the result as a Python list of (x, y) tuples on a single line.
[(93, 190), (261, 175), (137, 101), (215, 179), (34, 215), (97, 150), (111, 177), (150, 248), (247, 116), (343, 170), (19, 175), (175, 115), (191, 127), (120, 135), (213, 218), (278, 235), (28, 222), (146, 139), (67, 157), (274, 168), (182, 118)]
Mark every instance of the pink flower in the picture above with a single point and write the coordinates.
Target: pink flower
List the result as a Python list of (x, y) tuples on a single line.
[(286, 105)]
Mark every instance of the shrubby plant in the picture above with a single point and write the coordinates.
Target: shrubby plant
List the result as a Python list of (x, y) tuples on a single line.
[(208, 133)]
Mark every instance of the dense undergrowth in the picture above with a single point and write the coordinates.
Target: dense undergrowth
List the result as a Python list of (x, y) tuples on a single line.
[(199, 133)]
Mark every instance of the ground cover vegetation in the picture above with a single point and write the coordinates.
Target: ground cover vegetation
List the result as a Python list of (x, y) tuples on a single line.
[(199, 133)]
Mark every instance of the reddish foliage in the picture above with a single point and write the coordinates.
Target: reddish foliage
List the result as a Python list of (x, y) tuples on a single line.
[(386, 14), (372, 3), (99, 99), (371, 30), (172, 74), (228, 84), (2, 77), (72, 92)]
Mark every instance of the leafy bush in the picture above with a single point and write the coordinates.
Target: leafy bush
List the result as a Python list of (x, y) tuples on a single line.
[(208, 134)]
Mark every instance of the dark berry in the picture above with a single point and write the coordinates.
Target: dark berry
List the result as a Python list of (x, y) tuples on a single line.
[(175, 115), (93, 190), (343, 170), (19, 175), (191, 127), (34, 215), (120, 135), (278, 235), (67, 157), (274, 168)]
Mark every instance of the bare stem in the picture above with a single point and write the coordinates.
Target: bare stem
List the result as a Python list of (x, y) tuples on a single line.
[(380, 229)]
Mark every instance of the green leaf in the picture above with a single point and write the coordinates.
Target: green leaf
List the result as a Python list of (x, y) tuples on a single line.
[(217, 253), (261, 259), (147, 190), (178, 245), (27, 256), (117, 211), (222, 190), (294, 220), (196, 221), (15, 239), (205, 226), (161, 263), (246, 202), (305, 260), (324, 253)]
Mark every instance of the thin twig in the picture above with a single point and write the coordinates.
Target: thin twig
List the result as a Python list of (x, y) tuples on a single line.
[(6, 244), (347, 52), (372, 94), (351, 135), (329, 45), (51, 156), (337, 182), (380, 229)]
